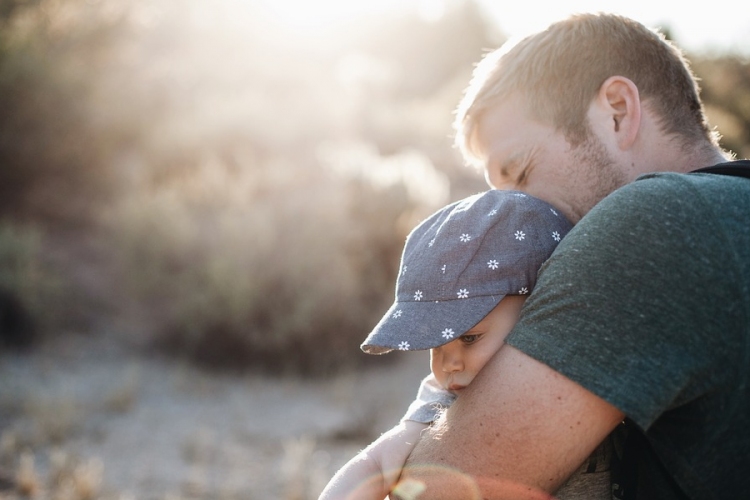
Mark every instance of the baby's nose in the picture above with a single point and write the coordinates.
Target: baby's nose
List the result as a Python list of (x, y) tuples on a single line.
[(452, 362)]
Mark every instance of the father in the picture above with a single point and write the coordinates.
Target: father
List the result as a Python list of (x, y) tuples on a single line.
[(642, 314)]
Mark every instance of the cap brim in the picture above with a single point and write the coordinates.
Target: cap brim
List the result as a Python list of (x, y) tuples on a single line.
[(415, 326)]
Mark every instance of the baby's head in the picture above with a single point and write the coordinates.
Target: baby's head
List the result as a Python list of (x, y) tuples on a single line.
[(464, 274)]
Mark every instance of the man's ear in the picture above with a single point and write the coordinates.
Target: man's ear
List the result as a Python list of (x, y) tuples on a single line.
[(620, 105)]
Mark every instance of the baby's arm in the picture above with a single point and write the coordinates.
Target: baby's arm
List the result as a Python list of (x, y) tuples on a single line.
[(374, 471)]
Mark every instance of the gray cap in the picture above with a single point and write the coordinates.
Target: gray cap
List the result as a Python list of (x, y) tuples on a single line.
[(460, 262)]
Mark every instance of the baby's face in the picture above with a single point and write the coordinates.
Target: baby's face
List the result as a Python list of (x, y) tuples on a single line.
[(456, 363)]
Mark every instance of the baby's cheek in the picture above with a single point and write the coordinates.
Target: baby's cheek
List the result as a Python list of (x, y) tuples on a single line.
[(440, 377)]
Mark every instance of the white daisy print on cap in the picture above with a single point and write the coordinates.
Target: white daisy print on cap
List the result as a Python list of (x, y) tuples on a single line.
[(463, 260)]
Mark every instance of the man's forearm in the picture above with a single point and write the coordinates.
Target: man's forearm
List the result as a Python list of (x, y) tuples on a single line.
[(430, 475), (518, 431)]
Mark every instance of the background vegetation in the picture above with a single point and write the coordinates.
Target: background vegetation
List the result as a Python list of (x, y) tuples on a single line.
[(202, 180), (199, 178)]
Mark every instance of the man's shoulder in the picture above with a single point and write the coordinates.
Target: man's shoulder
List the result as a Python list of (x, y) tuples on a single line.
[(732, 173), (666, 207), (678, 184), (676, 194)]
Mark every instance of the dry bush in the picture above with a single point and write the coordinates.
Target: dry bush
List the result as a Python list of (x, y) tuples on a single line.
[(30, 289), (68, 478), (725, 82), (277, 268), (53, 150), (195, 130)]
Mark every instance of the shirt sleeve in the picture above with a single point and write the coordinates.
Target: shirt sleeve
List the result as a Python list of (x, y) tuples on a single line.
[(627, 305), (431, 400)]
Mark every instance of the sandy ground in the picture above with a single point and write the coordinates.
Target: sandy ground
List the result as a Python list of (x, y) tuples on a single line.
[(134, 426)]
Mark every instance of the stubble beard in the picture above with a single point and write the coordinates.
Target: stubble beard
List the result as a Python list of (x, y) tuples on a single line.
[(598, 173)]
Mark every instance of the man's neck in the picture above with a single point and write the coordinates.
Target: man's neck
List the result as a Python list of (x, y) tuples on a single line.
[(678, 159)]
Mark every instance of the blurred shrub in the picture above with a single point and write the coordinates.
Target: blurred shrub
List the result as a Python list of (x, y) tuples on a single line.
[(199, 131), (194, 131), (51, 152), (275, 268), (725, 82), (426, 54), (29, 289)]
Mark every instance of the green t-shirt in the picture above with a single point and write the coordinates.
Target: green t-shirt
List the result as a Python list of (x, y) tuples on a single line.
[(646, 303)]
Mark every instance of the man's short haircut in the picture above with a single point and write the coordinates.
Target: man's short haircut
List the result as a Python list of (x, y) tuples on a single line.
[(559, 71)]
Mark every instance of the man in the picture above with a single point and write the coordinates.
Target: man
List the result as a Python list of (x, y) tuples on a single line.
[(642, 314)]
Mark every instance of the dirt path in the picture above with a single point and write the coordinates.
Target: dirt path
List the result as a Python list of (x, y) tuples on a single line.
[(95, 417)]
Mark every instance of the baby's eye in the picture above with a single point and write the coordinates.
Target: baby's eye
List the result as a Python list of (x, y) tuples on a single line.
[(469, 338)]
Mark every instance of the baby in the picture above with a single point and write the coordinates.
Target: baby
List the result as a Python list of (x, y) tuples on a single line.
[(464, 275)]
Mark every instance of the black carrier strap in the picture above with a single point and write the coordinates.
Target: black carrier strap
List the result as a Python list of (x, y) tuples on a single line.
[(739, 168)]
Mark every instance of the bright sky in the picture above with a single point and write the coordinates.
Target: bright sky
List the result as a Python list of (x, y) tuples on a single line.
[(697, 26)]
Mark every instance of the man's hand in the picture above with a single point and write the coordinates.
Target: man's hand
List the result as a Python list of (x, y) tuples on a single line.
[(518, 431)]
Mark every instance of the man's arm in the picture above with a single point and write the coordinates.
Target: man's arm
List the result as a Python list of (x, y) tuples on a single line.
[(518, 431), (373, 472)]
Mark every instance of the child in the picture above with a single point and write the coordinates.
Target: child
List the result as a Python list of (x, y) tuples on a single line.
[(464, 274)]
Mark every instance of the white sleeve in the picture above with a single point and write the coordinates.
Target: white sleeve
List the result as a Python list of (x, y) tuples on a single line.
[(431, 400)]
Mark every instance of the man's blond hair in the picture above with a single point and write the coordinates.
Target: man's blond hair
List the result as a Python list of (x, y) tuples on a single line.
[(559, 71)]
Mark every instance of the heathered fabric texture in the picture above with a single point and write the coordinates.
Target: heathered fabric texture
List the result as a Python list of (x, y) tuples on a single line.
[(646, 303)]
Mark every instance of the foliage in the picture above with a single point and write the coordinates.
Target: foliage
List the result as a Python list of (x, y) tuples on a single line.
[(277, 275), (252, 184), (52, 153), (29, 289), (234, 242), (726, 92)]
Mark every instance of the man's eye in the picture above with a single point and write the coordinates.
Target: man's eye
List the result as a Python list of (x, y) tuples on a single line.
[(469, 338)]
